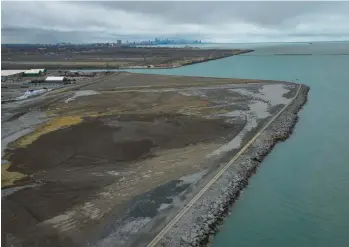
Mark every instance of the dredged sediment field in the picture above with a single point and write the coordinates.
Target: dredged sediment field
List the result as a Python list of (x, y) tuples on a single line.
[(115, 160)]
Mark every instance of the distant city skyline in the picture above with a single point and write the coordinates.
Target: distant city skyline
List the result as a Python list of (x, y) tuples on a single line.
[(154, 41)]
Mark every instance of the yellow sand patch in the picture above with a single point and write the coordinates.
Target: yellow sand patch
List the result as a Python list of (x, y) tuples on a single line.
[(8, 178), (49, 126)]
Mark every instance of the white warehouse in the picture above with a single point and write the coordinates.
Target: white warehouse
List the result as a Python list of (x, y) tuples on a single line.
[(11, 74), (56, 79)]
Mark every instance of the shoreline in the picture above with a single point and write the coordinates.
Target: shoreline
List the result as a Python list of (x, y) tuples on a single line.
[(201, 61), (200, 224)]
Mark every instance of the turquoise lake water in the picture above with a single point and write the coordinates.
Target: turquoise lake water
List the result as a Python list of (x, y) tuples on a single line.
[(300, 194)]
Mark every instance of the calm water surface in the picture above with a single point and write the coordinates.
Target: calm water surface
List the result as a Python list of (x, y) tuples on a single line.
[(300, 195)]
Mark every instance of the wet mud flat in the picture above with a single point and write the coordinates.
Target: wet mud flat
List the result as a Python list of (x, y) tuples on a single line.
[(111, 167)]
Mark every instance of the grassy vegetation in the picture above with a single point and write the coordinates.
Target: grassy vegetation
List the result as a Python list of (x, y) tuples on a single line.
[(8, 178), (49, 126)]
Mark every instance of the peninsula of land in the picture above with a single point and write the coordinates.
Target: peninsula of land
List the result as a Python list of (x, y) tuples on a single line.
[(124, 159), (82, 57)]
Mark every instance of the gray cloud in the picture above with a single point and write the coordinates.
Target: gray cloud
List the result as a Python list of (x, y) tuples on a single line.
[(51, 22)]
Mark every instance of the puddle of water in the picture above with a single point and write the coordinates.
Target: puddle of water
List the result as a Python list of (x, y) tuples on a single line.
[(113, 173), (9, 191), (134, 226), (192, 178), (271, 93), (267, 96), (258, 109), (12, 130), (274, 94), (11, 138), (163, 206)]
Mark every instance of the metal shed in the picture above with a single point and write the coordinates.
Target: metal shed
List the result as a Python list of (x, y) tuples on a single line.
[(56, 79), (34, 72), (8, 74)]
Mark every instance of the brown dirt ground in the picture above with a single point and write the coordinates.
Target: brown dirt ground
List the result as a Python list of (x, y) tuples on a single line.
[(126, 80), (128, 102), (69, 160)]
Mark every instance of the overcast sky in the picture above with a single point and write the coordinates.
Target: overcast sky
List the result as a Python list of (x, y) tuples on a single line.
[(52, 22)]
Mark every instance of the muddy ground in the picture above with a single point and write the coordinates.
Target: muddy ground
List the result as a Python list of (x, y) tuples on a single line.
[(110, 163)]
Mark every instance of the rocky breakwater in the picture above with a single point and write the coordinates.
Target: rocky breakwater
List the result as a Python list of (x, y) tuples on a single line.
[(199, 224)]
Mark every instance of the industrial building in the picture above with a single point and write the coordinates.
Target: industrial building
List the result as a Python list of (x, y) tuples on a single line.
[(11, 74), (34, 72), (56, 79)]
